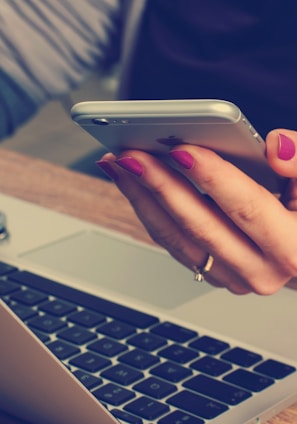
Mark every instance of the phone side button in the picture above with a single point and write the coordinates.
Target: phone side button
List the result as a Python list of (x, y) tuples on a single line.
[(255, 134), (258, 138)]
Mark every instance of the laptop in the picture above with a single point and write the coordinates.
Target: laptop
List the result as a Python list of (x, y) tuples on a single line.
[(96, 327)]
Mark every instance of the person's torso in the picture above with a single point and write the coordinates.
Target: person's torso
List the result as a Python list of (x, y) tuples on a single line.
[(244, 52)]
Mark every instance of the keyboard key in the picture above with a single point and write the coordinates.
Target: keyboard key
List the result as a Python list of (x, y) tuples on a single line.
[(178, 353), (47, 323), (248, 380), (125, 417), (146, 408), (97, 304), (217, 390), (174, 332), (197, 405), (29, 297), (211, 366), (62, 350), (155, 388), (209, 345), (147, 341), (6, 268), (122, 374), (114, 395), (22, 311), (139, 359), (179, 417), (274, 369), (107, 347), (91, 362), (88, 380), (43, 337), (57, 308), (87, 318), (241, 357), (7, 286), (171, 372), (116, 329), (77, 335)]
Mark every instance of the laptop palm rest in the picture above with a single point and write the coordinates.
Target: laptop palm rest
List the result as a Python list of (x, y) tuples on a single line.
[(103, 262)]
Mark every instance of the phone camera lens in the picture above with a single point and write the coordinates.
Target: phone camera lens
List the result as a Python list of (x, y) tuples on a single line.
[(100, 121)]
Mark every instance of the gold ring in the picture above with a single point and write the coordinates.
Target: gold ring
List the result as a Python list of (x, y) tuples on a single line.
[(202, 270)]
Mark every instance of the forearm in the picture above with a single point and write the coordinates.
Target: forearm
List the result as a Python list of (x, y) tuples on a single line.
[(48, 47), (16, 106)]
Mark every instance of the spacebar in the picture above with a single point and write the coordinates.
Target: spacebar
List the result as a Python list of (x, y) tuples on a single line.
[(98, 304)]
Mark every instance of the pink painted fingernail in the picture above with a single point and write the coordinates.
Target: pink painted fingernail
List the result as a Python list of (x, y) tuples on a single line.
[(131, 165), (108, 169), (286, 147), (183, 158)]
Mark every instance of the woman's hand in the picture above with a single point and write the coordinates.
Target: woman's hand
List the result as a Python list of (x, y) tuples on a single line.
[(250, 233)]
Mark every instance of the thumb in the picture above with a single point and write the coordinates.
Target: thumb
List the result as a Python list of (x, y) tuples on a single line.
[(281, 152)]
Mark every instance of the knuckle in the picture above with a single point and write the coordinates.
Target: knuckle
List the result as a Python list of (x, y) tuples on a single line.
[(169, 240), (159, 188), (201, 233), (208, 181), (266, 289), (249, 210), (267, 283), (246, 212), (273, 274), (289, 263), (238, 290), (178, 247)]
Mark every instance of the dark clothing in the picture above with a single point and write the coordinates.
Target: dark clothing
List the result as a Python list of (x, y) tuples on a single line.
[(16, 106), (242, 51)]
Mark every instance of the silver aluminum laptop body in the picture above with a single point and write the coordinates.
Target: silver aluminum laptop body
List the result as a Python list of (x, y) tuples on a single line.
[(36, 386)]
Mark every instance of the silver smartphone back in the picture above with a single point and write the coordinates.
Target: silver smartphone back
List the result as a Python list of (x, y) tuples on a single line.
[(157, 126)]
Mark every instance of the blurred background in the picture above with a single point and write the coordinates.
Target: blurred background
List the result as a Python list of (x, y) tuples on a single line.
[(52, 135)]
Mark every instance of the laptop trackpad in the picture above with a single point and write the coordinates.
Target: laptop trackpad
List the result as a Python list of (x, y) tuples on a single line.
[(120, 265)]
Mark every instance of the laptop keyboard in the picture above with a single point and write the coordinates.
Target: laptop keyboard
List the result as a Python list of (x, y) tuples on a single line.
[(143, 369)]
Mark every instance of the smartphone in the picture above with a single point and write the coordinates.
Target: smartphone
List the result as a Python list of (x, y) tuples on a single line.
[(156, 126)]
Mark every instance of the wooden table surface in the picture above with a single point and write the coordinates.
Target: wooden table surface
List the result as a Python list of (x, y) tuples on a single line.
[(82, 196)]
